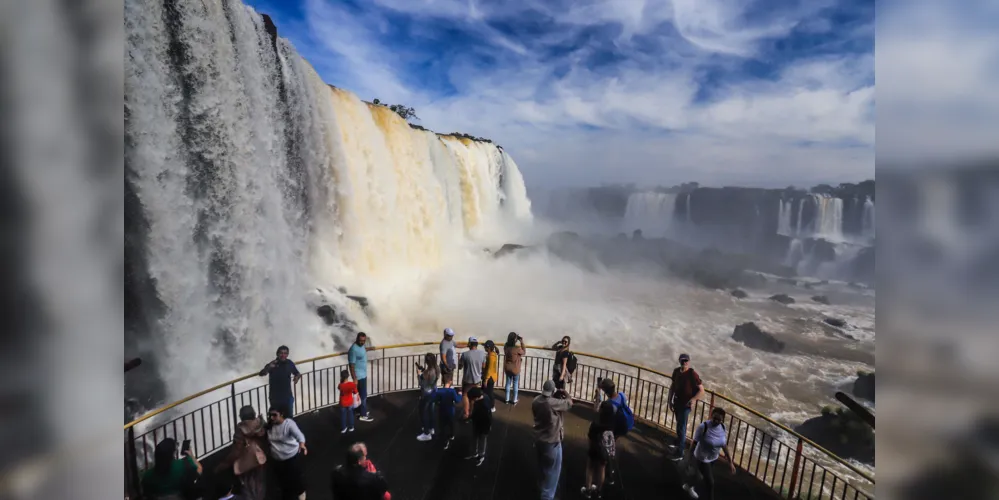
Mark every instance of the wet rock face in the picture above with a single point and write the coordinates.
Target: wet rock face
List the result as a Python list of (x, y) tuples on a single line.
[(841, 432), (739, 294), (507, 249), (752, 336), (838, 323), (863, 387), (821, 299), (783, 298)]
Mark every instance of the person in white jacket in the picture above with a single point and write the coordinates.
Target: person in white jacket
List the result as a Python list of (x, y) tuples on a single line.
[(287, 449)]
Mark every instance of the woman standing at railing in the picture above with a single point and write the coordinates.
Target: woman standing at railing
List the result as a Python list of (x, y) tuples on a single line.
[(561, 370), (511, 364), (287, 449), (428, 387)]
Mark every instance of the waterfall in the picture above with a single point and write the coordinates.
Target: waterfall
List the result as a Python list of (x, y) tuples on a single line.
[(651, 212), (795, 253), (867, 219), (784, 218), (801, 214), (689, 196), (261, 183), (828, 221)]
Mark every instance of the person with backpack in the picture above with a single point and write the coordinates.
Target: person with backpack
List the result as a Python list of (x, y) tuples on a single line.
[(246, 455), (710, 439), (601, 450), (624, 417), (513, 355), (565, 363), (428, 386), (684, 391)]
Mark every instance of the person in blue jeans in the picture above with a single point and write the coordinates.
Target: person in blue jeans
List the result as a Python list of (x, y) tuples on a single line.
[(347, 390), (282, 374), (548, 410), (446, 399), (684, 391), (512, 354), (428, 387), (357, 357)]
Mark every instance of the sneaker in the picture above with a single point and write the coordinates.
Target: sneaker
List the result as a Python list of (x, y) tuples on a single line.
[(343, 431), (482, 460), (514, 401), (494, 409), (447, 444), (365, 418), (350, 430), (431, 432), (471, 457), (423, 437), (585, 492), (690, 490)]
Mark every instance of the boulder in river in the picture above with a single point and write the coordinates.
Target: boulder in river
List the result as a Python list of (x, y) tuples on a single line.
[(838, 323), (739, 294), (783, 298), (821, 299), (752, 336), (507, 249), (842, 432), (863, 387)]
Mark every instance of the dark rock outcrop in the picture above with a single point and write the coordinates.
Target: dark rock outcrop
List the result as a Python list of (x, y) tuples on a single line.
[(362, 301), (820, 250), (838, 323), (863, 387), (507, 249), (783, 298), (821, 299), (863, 265), (752, 336), (739, 294), (841, 432)]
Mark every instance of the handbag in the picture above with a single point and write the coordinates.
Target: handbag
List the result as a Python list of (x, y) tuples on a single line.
[(251, 457), (356, 400)]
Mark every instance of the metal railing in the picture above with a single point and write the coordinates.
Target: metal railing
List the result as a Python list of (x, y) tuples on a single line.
[(787, 462)]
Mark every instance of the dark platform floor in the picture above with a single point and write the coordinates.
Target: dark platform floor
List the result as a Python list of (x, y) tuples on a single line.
[(425, 470)]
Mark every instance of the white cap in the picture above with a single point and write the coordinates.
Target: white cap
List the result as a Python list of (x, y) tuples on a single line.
[(473, 340), (449, 332)]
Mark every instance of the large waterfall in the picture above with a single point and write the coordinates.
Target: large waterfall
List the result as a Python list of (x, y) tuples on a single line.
[(259, 183), (784, 218), (828, 222), (651, 212)]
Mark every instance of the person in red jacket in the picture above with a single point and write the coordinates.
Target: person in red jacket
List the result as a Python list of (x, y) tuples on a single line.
[(347, 390)]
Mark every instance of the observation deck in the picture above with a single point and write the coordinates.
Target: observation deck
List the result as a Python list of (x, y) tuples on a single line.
[(772, 460)]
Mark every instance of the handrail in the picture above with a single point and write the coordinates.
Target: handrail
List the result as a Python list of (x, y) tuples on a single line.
[(589, 355)]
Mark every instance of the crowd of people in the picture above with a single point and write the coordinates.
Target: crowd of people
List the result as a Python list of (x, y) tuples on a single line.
[(278, 444)]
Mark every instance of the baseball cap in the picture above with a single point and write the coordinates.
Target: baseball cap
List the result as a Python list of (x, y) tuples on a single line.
[(449, 332), (473, 340), (685, 357), (548, 388)]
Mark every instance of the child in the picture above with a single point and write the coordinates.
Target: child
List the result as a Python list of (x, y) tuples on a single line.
[(482, 421), (347, 390), (447, 398)]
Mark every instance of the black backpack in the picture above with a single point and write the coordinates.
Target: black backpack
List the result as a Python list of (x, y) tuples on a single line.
[(570, 364)]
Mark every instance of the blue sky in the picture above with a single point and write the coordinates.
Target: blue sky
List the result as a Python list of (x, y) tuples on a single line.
[(584, 92)]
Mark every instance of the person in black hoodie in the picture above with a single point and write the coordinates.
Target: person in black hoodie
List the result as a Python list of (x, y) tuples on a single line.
[(357, 479), (482, 421)]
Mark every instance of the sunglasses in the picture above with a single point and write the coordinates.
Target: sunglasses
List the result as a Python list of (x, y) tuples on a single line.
[(685, 361)]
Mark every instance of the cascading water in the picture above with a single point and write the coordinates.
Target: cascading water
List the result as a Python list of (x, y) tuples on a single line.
[(260, 182), (784, 218), (828, 222), (801, 215), (867, 220), (651, 212)]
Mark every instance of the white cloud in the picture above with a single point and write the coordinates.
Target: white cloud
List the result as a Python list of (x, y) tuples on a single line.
[(650, 126)]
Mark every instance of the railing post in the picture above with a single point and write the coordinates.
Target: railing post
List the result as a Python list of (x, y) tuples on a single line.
[(235, 414), (711, 407), (133, 465), (794, 470)]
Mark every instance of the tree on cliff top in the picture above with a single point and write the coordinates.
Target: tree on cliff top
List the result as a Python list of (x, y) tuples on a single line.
[(405, 112)]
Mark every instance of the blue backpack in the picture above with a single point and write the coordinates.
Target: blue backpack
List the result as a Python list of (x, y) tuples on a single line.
[(624, 418)]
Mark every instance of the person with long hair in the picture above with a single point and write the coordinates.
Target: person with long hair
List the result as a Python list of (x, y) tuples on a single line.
[(246, 455), (428, 388), (560, 372), (287, 450), (170, 477), (513, 355), (710, 439)]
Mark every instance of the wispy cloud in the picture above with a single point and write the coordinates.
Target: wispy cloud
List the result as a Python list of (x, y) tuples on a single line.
[(647, 91)]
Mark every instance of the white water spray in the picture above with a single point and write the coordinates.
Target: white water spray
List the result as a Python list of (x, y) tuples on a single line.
[(651, 212)]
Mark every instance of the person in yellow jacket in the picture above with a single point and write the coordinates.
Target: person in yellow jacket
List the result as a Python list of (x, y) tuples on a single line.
[(492, 363)]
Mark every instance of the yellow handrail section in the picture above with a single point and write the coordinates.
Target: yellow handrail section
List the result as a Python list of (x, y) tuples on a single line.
[(578, 353)]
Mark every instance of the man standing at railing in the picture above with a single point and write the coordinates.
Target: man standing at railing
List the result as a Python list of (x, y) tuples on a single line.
[(282, 374), (684, 391), (357, 356), (449, 359), (548, 410)]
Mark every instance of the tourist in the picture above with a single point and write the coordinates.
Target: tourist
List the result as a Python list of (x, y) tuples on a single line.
[(561, 371), (227, 487), (246, 456), (684, 391), (448, 355), (428, 386), (548, 410), (491, 370), (357, 356), (446, 399), (482, 422), (513, 355), (601, 450), (348, 390), (710, 439), (357, 478), (472, 362), (170, 478), (282, 373), (287, 450)]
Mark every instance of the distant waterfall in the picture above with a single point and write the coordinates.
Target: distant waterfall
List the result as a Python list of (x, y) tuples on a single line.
[(261, 183), (867, 219), (651, 212), (801, 215), (689, 196), (828, 221), (795, 253), (784, 218)]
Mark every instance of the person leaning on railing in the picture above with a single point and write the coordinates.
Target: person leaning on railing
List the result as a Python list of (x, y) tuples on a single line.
[(282, 373)]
